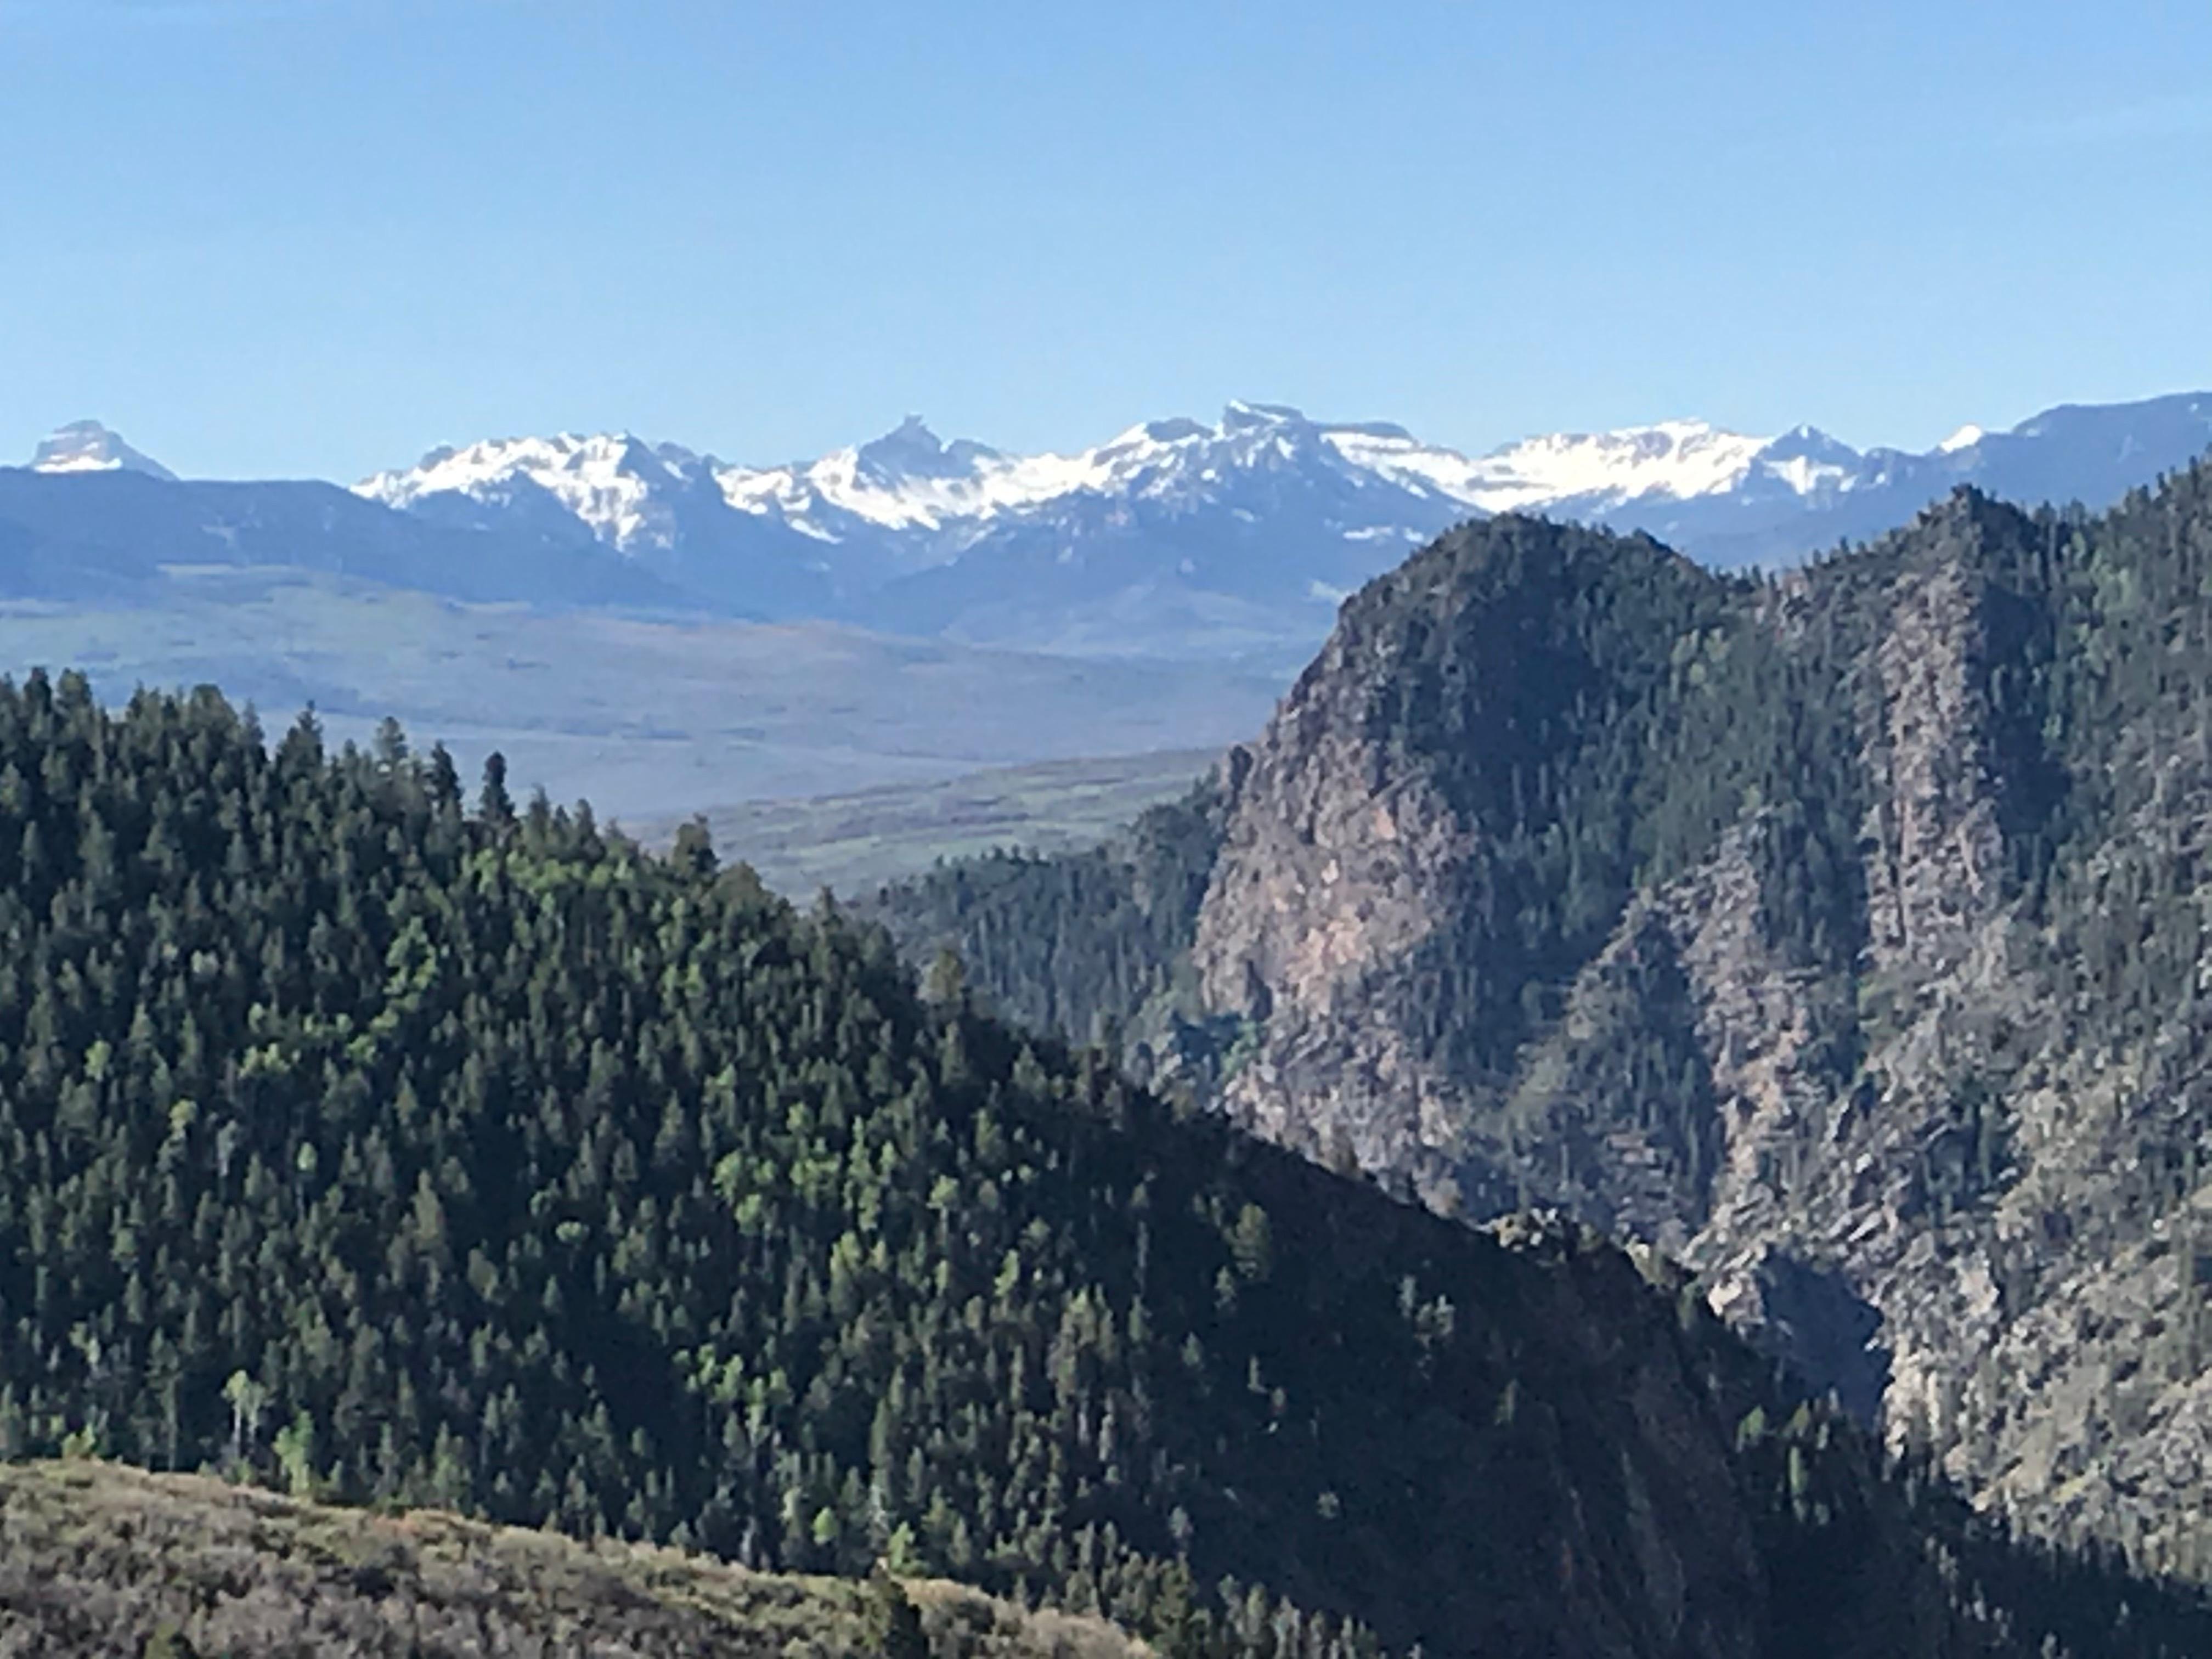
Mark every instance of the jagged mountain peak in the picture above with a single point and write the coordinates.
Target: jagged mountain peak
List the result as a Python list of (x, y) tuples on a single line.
[(89, 447), (912, 450), (1806, 440), (1788, 1174)]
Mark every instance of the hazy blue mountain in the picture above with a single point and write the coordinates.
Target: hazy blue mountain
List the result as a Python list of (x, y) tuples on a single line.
[(84, 535), (89, 447)]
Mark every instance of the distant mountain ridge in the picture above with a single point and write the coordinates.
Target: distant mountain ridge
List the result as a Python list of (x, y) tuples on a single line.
[(75, 534), (912, 482), (1173, 537), (1262, 521)]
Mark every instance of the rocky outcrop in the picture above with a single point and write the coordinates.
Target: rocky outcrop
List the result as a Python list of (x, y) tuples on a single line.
[(1935, 860)]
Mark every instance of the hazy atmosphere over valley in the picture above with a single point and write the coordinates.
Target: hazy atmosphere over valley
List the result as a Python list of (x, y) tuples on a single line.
[(997, 831)]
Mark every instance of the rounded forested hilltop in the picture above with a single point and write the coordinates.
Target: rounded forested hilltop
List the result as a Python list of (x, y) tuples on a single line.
[(361, 1142)]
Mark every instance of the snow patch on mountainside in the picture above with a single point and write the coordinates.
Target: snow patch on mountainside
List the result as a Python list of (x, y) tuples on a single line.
[(89, 447), (1675, 459), (1591, 474)]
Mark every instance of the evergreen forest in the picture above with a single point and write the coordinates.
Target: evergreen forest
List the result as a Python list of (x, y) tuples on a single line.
[(382, 1145)]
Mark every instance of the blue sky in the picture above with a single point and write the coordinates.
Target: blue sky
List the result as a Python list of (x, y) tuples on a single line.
[(317, 236)]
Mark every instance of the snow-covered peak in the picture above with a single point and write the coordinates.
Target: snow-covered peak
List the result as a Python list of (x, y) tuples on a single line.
[(89, 447), (1175, 429), (1965, 438), (612, 482), (1675, 459), (1805, 462)]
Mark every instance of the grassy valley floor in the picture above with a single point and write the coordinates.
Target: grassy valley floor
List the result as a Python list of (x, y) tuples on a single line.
[(854, 843)]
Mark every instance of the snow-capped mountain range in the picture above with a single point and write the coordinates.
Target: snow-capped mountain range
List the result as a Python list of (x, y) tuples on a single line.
[(1174, 536), (930, 498), (1178, 535)]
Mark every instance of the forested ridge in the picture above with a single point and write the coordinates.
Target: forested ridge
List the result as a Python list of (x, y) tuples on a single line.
[(1840, 931), (383, 1147)]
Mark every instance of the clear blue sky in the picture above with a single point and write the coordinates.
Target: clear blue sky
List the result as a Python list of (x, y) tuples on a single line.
[(317, 236)]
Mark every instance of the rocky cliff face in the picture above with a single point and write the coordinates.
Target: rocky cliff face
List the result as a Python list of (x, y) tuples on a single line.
[(1863, 980), (1318, 902)]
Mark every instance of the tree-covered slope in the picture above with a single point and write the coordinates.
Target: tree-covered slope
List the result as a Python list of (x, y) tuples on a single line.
[(389, 1151), (1093, 944), (1840, 933)]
